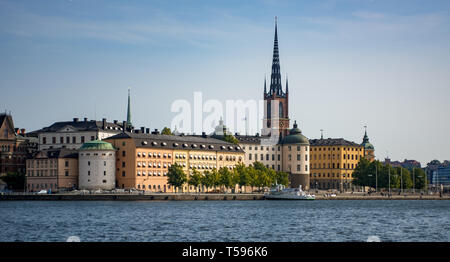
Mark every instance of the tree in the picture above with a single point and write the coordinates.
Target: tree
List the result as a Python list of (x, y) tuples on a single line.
[(242, 175), (176, 176), (207, 180), (195, 179), (282, 178), (420, 178), (166, 131), (225, 177), (361, 173), (230, 139), (15, 181)]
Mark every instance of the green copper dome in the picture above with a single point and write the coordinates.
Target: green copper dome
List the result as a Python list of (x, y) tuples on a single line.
[(366, 144), (97, 145), (295, 137)]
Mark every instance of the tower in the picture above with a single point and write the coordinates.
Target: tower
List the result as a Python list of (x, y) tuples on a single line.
[(129, 125), (276, 114), (369, 149)]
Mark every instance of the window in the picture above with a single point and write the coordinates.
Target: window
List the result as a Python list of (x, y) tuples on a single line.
[(306, 167), (53, 140), (123, 153), (104, 173), (82, 139), (298, 167), (123, 164), (89, 173), (89, 163), (123, 174), (249, 156), (289, 157), (61, 140), (104, 181), (306, 157), (44, 140), (68, 140), (262, 157), (267, 157), (298, 148), (66, 163), (74, 140), (279, 156), (104, 163), (92, 138), (66, 173), (298, 157), (273, 157)]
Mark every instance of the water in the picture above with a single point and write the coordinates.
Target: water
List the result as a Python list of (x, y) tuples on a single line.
[(348, 220)]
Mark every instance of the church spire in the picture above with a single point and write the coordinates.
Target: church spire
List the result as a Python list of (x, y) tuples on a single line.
[(275, 79), (129, 125), (287, 88), (265, 88)]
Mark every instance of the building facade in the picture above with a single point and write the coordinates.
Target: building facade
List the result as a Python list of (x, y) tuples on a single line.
[(52, 169), (143, 159), (333, 162), (73, 134), (15, 146), (97, 166)]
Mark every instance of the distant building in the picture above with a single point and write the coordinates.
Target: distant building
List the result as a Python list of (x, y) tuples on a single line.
[(408, 164), (97, 166), (52, 169), (73, 134), (15, 146), (441, 176), (433, 166), (333, 161)]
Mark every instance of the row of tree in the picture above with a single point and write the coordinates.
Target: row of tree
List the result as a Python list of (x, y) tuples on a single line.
[(375, 173), (255, 176)]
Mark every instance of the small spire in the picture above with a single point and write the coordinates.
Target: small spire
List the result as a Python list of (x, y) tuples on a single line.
[(265, 88), (321, 133), (129, 125), (287, 88)]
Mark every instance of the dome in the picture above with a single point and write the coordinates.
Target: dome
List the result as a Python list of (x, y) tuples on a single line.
[(295, 137), (97, 145), (366, 144)]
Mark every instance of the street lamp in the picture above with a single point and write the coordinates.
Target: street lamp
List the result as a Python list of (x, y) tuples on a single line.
[(414, 182), (401, 179), (389, 182)]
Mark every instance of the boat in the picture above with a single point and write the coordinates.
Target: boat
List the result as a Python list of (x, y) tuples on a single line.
[(279, 192)]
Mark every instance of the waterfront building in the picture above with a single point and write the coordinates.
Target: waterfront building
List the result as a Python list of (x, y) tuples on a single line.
[(143, 158), (97, 166), (332, 162), (441, 177), (52, 169), (15, 146), (73, 134), (369, 149)]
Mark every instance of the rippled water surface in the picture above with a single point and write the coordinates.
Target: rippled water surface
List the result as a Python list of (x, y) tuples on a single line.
[(348, 220)]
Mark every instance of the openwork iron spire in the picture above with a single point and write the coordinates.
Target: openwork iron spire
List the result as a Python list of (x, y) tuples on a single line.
[(275, 79)]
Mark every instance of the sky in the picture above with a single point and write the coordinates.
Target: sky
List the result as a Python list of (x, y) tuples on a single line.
[(350, 63)]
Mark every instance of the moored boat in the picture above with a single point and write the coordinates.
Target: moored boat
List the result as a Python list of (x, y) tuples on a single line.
[(282, 193)]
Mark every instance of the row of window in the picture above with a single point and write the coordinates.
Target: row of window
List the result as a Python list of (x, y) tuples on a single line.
[(299, 157), (332, 156), (67, 140), (158, 155), (43, 173), (334, 165), (273, 148), (338, 148), (330, 175), (150, 164)]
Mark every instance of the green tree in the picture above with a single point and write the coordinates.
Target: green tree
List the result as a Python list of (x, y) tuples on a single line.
[(242, 175), (14, 181), (176, 176), (207, 180), (361, 173), (225, 177), (230, 139), (282, 178), (420, 178), (195, 179), (166, 131)]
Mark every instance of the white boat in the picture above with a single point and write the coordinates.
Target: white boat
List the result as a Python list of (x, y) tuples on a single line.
[(282, 193)]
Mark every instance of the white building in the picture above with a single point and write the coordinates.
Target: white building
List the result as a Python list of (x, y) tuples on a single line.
[(73, 134), (97, 166)]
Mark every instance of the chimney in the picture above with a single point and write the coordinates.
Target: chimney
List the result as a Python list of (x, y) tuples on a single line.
[(204, 134), (115, 122), (142, 129), (124, 126), (16, 130), (104, 123), (156, 132), (22, 131), (147, 130), (85, 119), (75, 120)]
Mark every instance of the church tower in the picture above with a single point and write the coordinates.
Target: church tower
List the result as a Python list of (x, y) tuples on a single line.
[(276, 114)]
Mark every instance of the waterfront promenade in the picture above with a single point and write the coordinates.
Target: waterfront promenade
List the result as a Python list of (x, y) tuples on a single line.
[(207, 196)]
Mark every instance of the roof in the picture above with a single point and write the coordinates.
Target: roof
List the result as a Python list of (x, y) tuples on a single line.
[(57, 153), (295, 137), (97, 145), (82, 125), (251, 139), (177, 142), (332, 142)]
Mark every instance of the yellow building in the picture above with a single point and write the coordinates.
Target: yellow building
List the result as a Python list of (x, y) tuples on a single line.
[(143, 159), (332, 163)]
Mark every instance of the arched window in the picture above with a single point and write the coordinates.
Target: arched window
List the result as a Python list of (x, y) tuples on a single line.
[(281, 109)]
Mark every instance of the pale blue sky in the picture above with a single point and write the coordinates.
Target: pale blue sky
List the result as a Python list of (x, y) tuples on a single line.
[(385, 64)]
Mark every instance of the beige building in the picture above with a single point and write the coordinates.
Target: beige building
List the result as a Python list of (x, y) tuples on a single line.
[(52, 169), (143, 159)]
